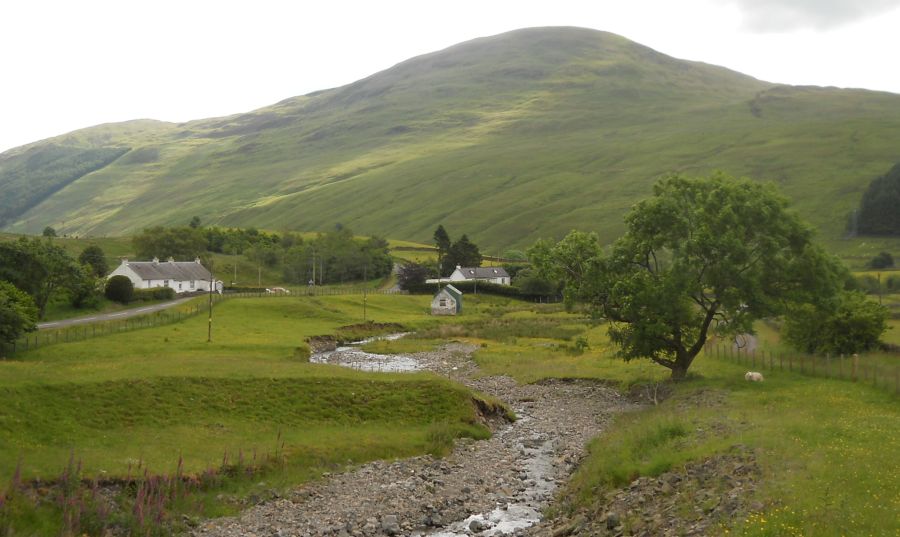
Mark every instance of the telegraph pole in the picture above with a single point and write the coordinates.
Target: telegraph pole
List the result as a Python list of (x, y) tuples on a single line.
[(212, 282), (365, 285)]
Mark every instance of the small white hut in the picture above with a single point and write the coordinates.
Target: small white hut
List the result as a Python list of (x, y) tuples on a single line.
[(447, 301)]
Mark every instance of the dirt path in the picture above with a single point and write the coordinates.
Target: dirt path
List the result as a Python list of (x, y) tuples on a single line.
[(492, 487)]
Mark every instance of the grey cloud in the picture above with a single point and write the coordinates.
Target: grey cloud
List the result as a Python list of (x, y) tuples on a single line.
[(782, 15)]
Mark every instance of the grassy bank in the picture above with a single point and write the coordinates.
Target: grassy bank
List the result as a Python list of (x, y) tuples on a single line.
[(160, 399), (826, 448)]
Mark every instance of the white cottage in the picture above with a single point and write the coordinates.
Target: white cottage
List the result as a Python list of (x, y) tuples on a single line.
[(496, 275), (182, 276), (447, 301)]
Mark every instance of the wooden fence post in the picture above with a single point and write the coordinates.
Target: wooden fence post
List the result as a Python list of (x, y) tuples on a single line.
[(855, 366)]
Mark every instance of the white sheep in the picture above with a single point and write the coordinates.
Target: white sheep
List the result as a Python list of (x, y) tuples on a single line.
[(753, 376)]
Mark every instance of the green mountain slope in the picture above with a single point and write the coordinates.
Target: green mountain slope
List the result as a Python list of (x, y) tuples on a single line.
[(506, 138)]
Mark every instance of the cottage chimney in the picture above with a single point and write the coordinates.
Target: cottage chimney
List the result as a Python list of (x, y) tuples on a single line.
[(156, 261), (171, 260), (124, 260), (458, 267), (197, 260)]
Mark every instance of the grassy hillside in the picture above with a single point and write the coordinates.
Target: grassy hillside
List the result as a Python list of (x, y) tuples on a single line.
[(506, 138)]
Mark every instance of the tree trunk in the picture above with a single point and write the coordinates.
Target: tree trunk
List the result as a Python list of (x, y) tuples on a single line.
[(682, 363), (679, 372)]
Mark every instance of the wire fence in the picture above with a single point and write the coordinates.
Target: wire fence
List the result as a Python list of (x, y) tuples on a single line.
[(854, 368), (80, 332), (314, 291)]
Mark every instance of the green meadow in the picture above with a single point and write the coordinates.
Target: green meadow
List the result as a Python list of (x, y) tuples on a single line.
[(827, 448), (156, 394)]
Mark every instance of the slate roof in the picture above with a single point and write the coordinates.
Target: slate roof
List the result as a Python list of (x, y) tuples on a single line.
[(483, 273), (170, 270), (453, 291)]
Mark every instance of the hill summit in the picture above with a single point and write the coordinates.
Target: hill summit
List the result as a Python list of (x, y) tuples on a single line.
[(507, 138)]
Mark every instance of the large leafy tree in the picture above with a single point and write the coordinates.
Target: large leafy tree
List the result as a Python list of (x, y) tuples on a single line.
[(879, 213), (442, 242), (464, 253), (181, 243), (42, 269), (701, 256), (94, 257), (18, 313), (338, 256)]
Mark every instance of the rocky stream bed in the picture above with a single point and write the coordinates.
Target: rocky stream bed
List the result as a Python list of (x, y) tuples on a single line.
[(498, 486)]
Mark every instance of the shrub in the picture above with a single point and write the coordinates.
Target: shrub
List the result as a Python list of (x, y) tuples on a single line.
[(852, 324), (882, 260), (867, 284), (412, 274), (119, 289), (239, 289), (156, 293), (892, 284), (18, 313)]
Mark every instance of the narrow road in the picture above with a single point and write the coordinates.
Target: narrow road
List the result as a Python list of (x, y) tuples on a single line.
[(101, 317)]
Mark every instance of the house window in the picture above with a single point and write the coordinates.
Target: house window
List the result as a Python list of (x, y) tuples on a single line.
[(193, 284), (165, 283), (443, 303), (179, 286)]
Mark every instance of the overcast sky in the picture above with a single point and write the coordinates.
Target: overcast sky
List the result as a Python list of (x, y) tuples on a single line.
[(72, 64)]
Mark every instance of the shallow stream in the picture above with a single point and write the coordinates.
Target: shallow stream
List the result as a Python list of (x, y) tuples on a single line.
[(536, 452), (355, 358)]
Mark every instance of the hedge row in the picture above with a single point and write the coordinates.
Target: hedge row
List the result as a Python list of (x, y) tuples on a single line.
[(155, 293), (469, 287), (239, 289)]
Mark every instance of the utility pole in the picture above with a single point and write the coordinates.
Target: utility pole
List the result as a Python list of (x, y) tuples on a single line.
[(879, 289), (212, 282), (258, 271), (365, 286)]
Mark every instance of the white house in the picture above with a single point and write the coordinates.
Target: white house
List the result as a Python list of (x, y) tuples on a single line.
[(496, 275), (182, 276), (447, 301)]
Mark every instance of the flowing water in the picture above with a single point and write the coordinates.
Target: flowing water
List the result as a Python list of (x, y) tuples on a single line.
[(355, 358), (525, 510), (536, 452)]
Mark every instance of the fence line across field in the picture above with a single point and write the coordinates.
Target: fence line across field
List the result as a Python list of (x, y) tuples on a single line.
[(80, 332), (853, 368)]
